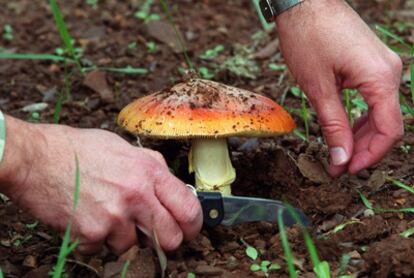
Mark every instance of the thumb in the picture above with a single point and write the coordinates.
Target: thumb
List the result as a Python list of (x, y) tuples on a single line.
[(335, 128)]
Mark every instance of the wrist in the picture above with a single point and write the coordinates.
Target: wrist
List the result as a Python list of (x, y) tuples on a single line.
[(20, 151), (308, 10)]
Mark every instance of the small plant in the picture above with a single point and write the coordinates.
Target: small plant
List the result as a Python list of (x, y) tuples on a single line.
[(212, 53), (93, 3), (304, 109), (241, 64), (8, 32), (405, 148), (263, 266), (151, 47), (144, 13), (277, 67), (205, 73)]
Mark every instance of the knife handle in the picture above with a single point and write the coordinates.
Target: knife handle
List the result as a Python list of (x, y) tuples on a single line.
[(212, 205)]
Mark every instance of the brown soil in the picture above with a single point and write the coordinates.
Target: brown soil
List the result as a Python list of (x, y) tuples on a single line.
[(284, 168)]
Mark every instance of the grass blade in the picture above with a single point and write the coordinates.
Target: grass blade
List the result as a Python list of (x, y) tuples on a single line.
[(126, 70), (285, 245), (412, 80), (390, 34), (33, 56), (64, 33), (180, 39), (125, 269), (63, 30), (401, 185), (1, 273), (66, 248), (321, 269), (408, 233)]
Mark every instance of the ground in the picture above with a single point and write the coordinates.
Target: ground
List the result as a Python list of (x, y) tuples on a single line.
[(285, 168)]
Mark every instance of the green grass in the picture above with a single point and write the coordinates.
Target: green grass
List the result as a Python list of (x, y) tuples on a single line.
[(125, 269), (285, 244), (64, 33), (1, 273), (401, 185), (369, 205), (67, 248), (167, 13), (8, 33)]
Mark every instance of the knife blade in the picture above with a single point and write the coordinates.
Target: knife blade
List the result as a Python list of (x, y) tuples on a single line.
[(233, 210)]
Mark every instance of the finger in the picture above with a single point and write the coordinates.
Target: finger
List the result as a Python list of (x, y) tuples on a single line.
[(122, 238), (335, 128), (181, 203), (383, 129), (164, 225), (89, 249), (360, 122)]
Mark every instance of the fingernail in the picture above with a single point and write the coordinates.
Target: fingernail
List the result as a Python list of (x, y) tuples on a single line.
[(338, 156)]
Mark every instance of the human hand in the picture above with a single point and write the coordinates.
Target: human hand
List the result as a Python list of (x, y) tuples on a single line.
[(121, 187), (329, 48)]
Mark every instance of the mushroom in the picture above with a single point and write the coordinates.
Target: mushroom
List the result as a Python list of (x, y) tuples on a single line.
[(206, 112)]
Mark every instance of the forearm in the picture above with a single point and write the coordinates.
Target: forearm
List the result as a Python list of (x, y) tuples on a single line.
[(19, 154)]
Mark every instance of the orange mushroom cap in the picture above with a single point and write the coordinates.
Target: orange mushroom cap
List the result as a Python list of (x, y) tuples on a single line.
[(202, 109)]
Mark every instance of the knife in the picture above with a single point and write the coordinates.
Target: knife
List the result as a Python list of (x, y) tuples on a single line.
[(233, 210)]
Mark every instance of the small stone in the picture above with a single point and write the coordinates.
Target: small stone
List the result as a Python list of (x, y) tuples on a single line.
[(355, 255), (369, 213), (232, 262), (30, 261), (35, 107)]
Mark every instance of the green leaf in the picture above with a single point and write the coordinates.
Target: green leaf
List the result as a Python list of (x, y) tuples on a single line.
[(251, 252), (1, 273), (274, 266), (205, 73), (277, 67), (33, 56), (126, 70), (265, 264), (191, 275), (322, 270), (360, 103), (255, 267), (296, 91), (212, 53), (408, 233)]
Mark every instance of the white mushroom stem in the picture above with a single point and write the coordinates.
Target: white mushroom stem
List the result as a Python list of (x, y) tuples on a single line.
[(210, 160)]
